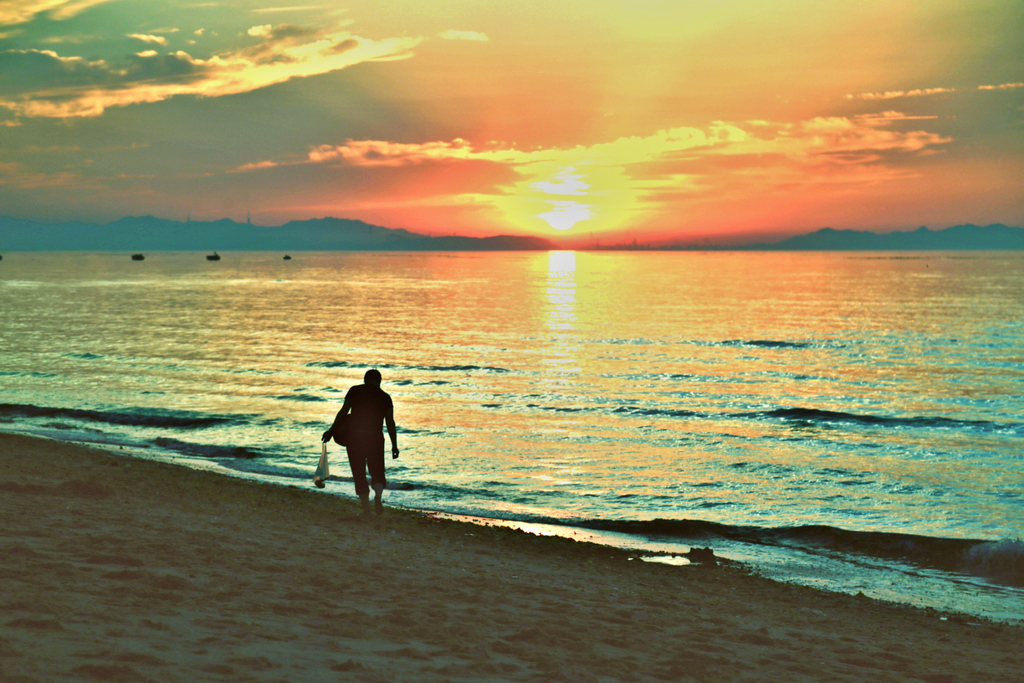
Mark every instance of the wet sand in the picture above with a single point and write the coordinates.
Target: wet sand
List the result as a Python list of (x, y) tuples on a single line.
[(119, 569)]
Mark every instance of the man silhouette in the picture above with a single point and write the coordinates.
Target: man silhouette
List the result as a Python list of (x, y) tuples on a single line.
[(369, 406)]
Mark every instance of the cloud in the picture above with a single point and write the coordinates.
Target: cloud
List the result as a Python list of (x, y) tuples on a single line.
[(22, 11), (14, 175), (296, 8), (286, 52), (821, 140), (621, 151), (621, 180), (383, 153), (893, 94), (258, 166), (48, 70), (159, 40), (887, 117), (860, 140), (1004, 86), (463, 35), (566, 182)]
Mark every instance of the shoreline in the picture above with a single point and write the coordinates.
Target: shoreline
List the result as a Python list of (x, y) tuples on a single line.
[(943, 574), (118, 568), (888, 575)]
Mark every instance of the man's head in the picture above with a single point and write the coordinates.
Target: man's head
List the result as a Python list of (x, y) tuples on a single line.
[(372, 377)]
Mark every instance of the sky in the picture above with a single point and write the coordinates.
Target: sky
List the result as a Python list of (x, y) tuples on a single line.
[(599, 121)]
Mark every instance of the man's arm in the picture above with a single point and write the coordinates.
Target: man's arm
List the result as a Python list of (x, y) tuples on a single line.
[(389, 419)]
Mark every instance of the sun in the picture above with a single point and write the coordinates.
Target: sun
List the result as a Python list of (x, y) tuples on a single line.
[(566, 214)]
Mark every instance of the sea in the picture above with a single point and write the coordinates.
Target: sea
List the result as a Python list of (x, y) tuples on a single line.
[(852, 421)]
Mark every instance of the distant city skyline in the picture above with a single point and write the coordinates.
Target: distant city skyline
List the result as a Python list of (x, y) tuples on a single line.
[(724, 121)]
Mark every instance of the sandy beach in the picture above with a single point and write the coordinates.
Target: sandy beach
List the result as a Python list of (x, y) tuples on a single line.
[(120, 569)]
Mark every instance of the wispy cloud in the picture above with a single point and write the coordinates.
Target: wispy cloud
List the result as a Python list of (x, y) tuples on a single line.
[(623, 150), (384, 153), (463, 35), (1004, 86), (22, 11), (146, 38), (893, 94), (15, 175), (886, 117), (285, 52), (924, 92), (294, 8), (256, 166)]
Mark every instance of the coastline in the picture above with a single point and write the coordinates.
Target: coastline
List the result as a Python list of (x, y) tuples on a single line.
[(118, 568)]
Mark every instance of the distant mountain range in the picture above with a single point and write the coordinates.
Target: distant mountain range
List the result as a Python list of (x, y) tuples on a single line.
[(147, 233), (958, 237)]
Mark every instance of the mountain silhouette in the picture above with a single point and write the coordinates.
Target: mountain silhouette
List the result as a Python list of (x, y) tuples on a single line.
[(958, 237), (147, 233)]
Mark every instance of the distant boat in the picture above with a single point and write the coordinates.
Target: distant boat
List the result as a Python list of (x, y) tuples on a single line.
[(213, 257), (287, 257), (138, 257)]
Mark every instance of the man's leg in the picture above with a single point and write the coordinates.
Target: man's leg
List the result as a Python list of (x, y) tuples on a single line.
[(375, 463), (378, 504), (357, 463)]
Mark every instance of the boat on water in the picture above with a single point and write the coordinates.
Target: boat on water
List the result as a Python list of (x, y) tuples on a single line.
[(213, 257), (138, 257)]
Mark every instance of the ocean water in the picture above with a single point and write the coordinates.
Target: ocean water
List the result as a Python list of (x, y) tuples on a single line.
[(852, 421)]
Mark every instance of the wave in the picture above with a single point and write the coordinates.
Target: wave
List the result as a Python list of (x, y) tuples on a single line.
[(1002, 560), (750, 343), (767, 344), (209, 451), (132, 417), (423, 368), (304, 398), (816, 415), (658, 412), (998, 558)]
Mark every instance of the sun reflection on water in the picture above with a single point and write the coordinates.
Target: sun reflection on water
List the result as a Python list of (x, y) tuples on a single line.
[(561, 290), (561, 353)]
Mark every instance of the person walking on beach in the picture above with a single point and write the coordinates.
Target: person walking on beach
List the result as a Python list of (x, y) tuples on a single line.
[(369, 406)]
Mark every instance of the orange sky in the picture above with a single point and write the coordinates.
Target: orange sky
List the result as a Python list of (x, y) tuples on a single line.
[(688, 121)]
